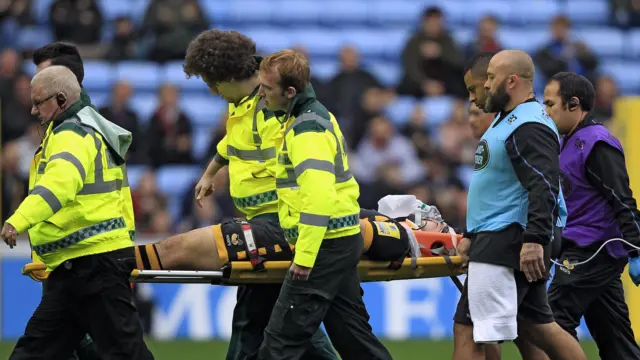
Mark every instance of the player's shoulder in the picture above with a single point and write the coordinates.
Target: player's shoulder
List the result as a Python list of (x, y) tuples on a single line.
[(73, 125)]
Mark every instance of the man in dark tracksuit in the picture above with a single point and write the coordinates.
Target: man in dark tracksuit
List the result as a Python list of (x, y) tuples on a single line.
[(600, 207), (67, 55)]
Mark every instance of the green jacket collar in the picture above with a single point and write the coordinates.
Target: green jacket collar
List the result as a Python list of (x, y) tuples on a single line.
[(69, 113), (86, 100), (299, 103)]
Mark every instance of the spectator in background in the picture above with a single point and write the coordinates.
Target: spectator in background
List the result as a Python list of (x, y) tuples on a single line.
[(384, 162), (606, 94), (16, 110), (563, 53), (18, 10), (9, 67), (199, 217), (455, 133), (625, 13), (486, 39), (76, 21), (346, 89), (172, 24), (150, 206), (119, 112), (169, 131), (431, 60), (417, 129), (123, 45), (372, 103)]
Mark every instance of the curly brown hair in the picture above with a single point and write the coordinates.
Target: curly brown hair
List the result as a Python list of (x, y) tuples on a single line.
[(221, 56)]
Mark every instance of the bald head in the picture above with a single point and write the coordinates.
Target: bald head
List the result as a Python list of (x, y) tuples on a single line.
[(57, 80), (509, 80), (514, 62)]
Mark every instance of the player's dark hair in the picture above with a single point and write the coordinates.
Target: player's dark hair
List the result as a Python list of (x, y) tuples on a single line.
[(221, 56), (432, 11), (572, 85), (479, 63), (63, 54)]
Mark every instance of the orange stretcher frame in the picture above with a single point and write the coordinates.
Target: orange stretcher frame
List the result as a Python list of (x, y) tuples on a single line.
[(241, 272)]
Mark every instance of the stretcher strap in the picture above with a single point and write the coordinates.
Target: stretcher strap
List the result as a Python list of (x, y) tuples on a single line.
[(414, 247), (252, 249)]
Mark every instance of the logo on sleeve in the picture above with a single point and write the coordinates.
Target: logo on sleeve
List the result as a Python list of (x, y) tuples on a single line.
[(482, 155)]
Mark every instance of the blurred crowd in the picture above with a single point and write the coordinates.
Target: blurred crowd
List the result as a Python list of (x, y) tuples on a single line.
[(430, 161)]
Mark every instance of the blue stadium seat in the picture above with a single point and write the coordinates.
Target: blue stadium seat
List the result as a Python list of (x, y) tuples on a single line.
[(174, 180), (625, 73), (603, 41), (388, 73), (526, 39), (40, 10), (98, 75), (405, 12), (474, 10), (370, 42), (632, 44), (438, 109), (112, 9), (203, 110), (400, 110), (217, 12), (134, 173), (173, 73), (324, 70), (319, 43), (144, 105), (339, 12), (100, 98), (589, 12), (143, 75), (200, 143), (251, 11), (463, 35), (534, 11), (29, 68), (297, 11), (33, 37), (395, 39), (271, 39)]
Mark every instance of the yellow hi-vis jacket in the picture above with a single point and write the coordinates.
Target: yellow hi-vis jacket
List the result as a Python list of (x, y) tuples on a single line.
[(318, 196), (76, 205), (249, 150)]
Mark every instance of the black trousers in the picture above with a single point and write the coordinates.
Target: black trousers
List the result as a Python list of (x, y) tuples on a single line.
[(90, 294), (331, 294), (595, 291)]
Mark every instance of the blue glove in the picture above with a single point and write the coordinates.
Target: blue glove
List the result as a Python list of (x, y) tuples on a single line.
[(634, 269)]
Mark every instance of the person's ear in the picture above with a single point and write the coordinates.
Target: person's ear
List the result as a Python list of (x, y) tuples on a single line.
[(290, 92)]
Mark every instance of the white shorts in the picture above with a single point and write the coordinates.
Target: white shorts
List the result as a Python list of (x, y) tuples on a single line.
[(493, 302)]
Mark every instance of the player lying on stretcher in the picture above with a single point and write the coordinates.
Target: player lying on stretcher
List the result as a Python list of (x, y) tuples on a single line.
[(385, 239)]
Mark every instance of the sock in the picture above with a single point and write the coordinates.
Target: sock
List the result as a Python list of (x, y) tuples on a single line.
[(147, 257)]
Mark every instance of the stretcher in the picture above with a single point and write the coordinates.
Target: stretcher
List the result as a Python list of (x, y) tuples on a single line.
[(241, 272)]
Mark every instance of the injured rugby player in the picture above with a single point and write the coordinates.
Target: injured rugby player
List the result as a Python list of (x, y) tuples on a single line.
[(211, 248)]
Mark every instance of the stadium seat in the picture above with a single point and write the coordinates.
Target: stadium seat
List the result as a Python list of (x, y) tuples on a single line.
[(535, 38), (251, 11), (438, 109), (98, 75), (144, 105), (40, 10), (33, 37), (29, 68), (370, 42), (473, 10), (100, 98), (534, 11), (401, 12), (297, 12), (200, 143), (625, 73), (463, 35), (203, 110), (388, 73), (339, 12), (319, 42), (173, 180), (632, 44), (174, 73), (112, 9), (143, 75), (603, 41), (591, 12), (134, 173), (217, 12), (271, 39), (395, 39), (400, 110), (324, 69)]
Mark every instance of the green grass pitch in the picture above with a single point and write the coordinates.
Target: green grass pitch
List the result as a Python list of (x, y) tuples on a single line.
[(400, 350)]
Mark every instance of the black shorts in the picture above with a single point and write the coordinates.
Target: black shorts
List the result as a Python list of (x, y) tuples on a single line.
[(533, 306)]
